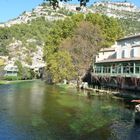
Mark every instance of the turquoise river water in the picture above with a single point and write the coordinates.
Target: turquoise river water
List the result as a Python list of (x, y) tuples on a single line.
[(36, 111)]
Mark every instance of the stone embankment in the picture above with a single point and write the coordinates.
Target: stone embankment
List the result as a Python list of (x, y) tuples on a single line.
[(84, 85)]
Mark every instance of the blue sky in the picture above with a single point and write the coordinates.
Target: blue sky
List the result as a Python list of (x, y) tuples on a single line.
[(10, 9)]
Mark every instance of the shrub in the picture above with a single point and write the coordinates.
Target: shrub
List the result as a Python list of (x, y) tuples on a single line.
[(10, 78)]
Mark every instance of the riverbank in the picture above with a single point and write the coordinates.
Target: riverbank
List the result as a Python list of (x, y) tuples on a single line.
[(124, 94), (4, 82), (71, 85)]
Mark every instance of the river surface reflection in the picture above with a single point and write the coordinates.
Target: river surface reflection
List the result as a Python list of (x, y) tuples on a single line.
[(36, 111)]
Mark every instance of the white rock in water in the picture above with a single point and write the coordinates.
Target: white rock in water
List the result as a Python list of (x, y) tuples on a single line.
[(137, 108)]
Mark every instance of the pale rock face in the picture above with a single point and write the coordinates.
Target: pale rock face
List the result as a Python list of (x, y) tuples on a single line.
[(37, 59), (49, 14), (121, 10), (19, 52), (122, 6), (39, 11)]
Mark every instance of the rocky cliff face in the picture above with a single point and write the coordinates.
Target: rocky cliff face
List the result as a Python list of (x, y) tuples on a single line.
[(43, 10), (121, 10), (30, 56)]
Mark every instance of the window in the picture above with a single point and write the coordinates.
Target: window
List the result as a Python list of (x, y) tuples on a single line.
[(132, 53), (123, 54)]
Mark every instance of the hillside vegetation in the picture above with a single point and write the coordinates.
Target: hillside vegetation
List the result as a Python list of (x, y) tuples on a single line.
[(130, 26), (69, 45)]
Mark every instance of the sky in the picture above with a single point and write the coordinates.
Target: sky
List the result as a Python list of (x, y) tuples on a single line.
[(10, 9)]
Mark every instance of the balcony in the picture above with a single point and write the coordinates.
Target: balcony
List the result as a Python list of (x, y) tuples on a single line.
[(118, 70)]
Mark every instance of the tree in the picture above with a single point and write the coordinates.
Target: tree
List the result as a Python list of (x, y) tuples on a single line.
[(86, 41), (23, 72), (110, 27), (83, 2), (55, 3), (60, 66), (20, 68)]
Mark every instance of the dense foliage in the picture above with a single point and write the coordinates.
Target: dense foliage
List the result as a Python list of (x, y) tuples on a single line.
[(23, 72), (37, 29), (130, 26), (81, 36), (70, 44)]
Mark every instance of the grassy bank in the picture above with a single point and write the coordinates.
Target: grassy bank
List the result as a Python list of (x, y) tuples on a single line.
[(4, 82)]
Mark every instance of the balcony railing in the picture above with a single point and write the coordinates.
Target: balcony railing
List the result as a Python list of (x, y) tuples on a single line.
[(124, 71)]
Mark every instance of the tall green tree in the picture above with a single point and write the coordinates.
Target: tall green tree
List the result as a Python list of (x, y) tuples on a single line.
[(60, 66), (110, 27)]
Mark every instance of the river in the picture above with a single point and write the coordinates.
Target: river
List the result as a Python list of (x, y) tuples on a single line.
[(36, 111)]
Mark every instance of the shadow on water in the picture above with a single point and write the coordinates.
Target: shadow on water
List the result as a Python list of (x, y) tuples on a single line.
[(135, 132)]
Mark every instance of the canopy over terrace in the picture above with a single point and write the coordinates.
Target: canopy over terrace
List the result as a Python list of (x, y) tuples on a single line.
[(126, 67)]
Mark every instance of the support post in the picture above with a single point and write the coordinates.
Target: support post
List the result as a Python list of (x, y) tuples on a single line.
[(101, 69), (121, 69), (111, 70), (134, 68)]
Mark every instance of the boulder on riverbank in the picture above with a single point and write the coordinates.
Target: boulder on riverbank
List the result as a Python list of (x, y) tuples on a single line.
[(137, 114)]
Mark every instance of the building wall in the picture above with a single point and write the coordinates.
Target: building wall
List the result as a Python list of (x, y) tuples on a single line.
[(104, 55), (136, 51), (125, 48), (123, 51)]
